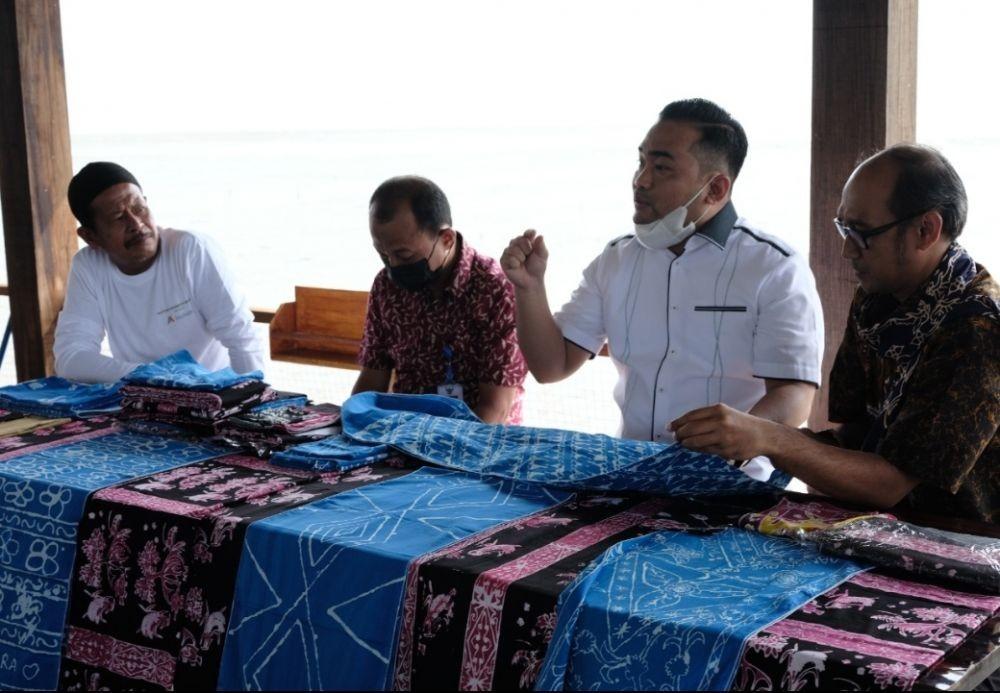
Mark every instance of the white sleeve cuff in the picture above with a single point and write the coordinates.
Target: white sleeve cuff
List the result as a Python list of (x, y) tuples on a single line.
[(788, 371), (583, 340)]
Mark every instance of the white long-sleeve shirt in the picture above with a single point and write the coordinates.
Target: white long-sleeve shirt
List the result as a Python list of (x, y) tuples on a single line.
[(186, 300)]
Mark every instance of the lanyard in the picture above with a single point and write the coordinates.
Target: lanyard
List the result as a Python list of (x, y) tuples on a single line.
[(449, 373)]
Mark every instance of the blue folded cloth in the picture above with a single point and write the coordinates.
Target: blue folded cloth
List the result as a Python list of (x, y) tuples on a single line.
[(445, 432), (341, 453), (283, 399), (336, 453), (180, 370), (58, 398)]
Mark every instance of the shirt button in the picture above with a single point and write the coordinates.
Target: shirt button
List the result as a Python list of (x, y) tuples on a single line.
[(659, 435), (673, 351)]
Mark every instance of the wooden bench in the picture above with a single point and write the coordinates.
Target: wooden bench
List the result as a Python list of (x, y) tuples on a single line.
[(322, 327)]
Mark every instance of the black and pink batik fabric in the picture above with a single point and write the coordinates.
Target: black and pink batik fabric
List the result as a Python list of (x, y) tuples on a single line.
[(156, 568), (872, 632)]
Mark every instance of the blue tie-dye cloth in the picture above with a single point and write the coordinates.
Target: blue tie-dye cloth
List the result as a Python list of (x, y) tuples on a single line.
[(445, 432), (42, 496), (181, 370), (320, 588), (57, 398), (671, 610), (336, 453), (342, 452)]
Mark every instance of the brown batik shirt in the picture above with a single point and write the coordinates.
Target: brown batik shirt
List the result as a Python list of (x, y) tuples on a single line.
[(945, 431)]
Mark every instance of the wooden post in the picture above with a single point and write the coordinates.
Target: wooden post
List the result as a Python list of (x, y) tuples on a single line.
[(864, 99), (35, 168)]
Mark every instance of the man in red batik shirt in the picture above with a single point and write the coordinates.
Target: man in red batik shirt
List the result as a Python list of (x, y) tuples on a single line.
[(440, 315)]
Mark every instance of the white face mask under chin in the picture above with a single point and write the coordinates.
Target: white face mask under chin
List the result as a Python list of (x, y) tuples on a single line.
[(669, 230)]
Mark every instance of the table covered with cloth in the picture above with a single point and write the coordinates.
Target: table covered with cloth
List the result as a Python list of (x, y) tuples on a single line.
[(423, 549)]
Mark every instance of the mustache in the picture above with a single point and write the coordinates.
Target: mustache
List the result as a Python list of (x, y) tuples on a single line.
[(138, 238)]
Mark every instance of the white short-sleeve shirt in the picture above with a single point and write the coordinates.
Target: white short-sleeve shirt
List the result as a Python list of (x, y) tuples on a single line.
[(701, 328)]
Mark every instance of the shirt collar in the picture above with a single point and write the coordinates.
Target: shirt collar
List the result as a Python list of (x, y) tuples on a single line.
[(718, 228), (463, 268)]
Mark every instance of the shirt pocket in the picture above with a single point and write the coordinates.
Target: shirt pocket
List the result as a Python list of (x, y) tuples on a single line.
[(725, 334)]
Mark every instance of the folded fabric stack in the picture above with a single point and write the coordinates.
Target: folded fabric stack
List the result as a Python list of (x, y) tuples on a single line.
[(12, 424), (179, 406), (180, 391), (56, 398), (267, 429)]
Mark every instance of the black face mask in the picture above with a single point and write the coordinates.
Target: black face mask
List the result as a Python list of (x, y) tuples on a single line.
[(415, 276)]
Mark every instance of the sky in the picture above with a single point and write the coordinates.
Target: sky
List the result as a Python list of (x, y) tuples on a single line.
[(223, 65), (141, 66)]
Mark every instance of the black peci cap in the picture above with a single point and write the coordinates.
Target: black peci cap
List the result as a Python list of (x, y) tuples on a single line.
[(90, 181)]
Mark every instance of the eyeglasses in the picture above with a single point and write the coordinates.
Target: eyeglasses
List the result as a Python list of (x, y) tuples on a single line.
[(861, 237)]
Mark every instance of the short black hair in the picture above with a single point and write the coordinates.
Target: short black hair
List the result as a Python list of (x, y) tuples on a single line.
[(926, 180), (723, 139), (427, 202)]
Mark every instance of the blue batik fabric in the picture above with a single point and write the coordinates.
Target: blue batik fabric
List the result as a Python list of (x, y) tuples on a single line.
[(336, 453), (42, 496), (342, 453), (671, 610), (320, 588), (57, 398), (282, 399), (180, 370), (445, 432)]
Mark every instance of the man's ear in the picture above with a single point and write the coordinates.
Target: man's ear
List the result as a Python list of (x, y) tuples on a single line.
[(448, 237), (89, 236), (718, 189), (930, 230)]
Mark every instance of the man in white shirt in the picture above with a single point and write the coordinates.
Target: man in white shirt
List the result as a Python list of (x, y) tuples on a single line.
[(152, 290), (697, 307)]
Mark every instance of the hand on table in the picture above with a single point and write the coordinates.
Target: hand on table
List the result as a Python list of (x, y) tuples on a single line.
[(724, 431), (525, 259)]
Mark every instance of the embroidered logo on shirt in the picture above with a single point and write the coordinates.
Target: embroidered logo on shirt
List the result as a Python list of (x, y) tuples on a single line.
[(176, 312)]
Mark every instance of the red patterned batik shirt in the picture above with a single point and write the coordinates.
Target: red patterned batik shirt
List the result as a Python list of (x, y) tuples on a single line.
[(408, 332)]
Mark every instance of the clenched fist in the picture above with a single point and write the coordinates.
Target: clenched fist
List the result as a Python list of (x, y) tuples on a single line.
[(525, 259)]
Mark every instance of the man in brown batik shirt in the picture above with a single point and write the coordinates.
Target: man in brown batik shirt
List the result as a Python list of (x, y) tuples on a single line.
[(916, 382)]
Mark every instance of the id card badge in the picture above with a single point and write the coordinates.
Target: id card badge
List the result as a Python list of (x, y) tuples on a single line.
[(453, 390)]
